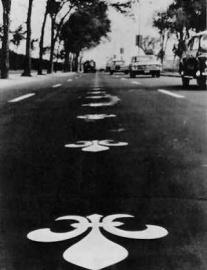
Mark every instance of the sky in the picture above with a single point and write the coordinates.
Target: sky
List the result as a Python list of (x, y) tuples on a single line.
[(123, 29)]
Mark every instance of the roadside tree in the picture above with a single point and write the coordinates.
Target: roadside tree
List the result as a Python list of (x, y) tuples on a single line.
[(181, 18), (5, 41), (163, 21), (27, 64), (85, 29)]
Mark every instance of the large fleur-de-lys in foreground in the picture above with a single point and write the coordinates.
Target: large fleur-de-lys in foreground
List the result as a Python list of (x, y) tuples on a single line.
[(95, 145), (95, 251)]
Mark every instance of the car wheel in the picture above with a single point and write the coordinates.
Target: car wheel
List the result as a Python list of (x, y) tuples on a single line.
[(185, 82), (201, 81), (132, 75), (111, 72)]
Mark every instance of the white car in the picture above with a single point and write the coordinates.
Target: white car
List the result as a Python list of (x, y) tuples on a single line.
[(118, 66), (145, 64)]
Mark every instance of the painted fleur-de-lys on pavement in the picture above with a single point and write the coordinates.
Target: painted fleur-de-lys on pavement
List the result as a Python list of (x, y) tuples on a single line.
[(95, 251), (112, 101), (95, 145), (94, 117), (96, 92), (96, 97)]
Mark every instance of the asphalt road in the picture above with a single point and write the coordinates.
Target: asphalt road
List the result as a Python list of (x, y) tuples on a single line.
[(103, 172)]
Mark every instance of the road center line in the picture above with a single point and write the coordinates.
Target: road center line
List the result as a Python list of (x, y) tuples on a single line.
[(170, 93), (57, 85), (22, 97), (136, 82)]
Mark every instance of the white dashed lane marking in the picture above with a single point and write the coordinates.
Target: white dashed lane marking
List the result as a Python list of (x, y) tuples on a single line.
[(22, 97), (57, 85), (69, 80), (136, 82), (170, 93)]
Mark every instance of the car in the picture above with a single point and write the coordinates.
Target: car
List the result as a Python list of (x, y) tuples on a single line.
[(89, 66), (193, 63), (118, 66), (144, 64), (108, 67)]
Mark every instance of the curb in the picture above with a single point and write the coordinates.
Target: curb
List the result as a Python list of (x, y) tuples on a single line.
[(170, 74)]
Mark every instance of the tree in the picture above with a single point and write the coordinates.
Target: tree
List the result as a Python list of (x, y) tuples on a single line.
[(163, 22), (186, 16), (27, 64), (60, 13), (18, 35), (5, 42), (41, 43), (148, 44), (85, 28), (180, 19)]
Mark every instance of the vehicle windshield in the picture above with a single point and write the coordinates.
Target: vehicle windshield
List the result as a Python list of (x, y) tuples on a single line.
[(203, 43), (144, 58)]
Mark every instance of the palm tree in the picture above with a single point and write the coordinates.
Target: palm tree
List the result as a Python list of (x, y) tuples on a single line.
[(5, 42), (27, 66)]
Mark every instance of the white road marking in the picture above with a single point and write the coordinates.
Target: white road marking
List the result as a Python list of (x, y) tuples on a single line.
[(136, 82), (123, 79), (95, 251), (170, 93), (112, 102), (69, 80), (57, 85), (93, 117), (96, 92), (96, 97), (21, 98), (95, 145)]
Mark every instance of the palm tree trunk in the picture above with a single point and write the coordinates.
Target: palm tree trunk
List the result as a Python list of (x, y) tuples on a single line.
[(51, 64), (27, 67), (77, 62), (41, 45), (5, 43)]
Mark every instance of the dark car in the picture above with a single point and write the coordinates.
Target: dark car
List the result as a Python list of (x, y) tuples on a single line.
[(193, 64), (89, 66), (144, 65)]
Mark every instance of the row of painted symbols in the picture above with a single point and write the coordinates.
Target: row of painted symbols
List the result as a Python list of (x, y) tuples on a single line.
[(95, 251), (97, 145)]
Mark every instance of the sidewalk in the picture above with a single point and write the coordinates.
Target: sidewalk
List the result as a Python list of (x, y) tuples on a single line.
[(15, 77), (170, 74)]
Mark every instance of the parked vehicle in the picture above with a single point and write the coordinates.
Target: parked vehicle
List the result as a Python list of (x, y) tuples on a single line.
[(108, 67), (89, 66), (144, 64), (118, 66), (193, 62)]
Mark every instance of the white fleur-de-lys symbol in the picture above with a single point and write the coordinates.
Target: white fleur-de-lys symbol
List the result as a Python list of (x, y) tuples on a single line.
[(112, 101), (96, 92), (97, 97), (95, 145), (95, 251), (94, 117)]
